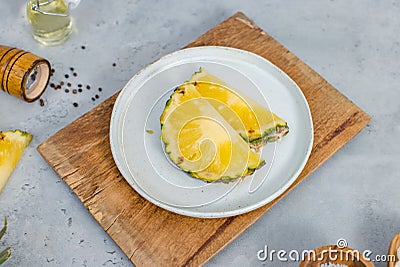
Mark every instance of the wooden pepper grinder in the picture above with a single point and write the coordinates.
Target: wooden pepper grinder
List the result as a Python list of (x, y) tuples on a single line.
[(23, 74)]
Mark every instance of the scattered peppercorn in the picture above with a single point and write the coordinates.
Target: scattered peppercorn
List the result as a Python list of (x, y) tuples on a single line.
[(78, 87), (83, 47), (41, 102), (114, 64)]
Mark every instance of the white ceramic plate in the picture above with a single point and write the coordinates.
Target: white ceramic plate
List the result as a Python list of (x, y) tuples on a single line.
[(138, 150)]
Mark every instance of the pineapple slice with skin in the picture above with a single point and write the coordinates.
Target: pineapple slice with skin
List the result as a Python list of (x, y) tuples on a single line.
[(12, 144), (260, 124), (201, 142)]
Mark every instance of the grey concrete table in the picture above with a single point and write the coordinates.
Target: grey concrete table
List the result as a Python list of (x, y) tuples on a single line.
[(355, 45)]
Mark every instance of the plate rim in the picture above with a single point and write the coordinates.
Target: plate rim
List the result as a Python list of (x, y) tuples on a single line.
[(185, 211)]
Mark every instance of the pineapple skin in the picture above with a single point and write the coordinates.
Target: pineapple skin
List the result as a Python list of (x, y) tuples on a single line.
[(227, 179), (12, 145), (269, 136)]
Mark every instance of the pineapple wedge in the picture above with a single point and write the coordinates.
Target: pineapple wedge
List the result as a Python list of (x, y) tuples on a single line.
[(201, 142), (12, 144), (254, 123)]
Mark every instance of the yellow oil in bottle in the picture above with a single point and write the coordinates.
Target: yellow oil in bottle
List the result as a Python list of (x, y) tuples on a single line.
[(49, 20)]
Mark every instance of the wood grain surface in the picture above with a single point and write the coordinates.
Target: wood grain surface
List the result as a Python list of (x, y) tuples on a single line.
[(394, 245), (150, 236)]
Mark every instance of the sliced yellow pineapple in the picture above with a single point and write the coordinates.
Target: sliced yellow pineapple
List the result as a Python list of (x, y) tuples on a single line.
[(12, 144), (255, 123), (201, 142)]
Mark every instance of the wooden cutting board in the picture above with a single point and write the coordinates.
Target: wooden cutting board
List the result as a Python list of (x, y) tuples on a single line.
[(150, 236)]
